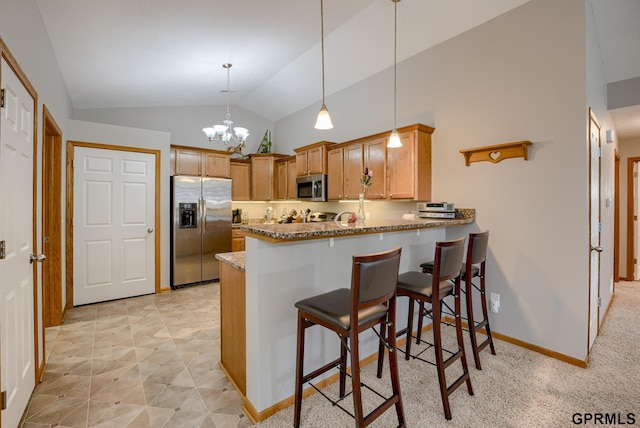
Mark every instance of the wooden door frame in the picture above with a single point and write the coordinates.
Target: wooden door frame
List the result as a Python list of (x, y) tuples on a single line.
[(630, 223), (52, 304), (616, 218), (71, 145)]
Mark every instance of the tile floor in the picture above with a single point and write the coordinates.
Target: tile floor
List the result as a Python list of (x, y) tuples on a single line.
[(148, 361)]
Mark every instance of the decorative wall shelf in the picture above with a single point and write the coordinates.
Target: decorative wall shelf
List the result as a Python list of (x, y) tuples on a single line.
[(497, 152)]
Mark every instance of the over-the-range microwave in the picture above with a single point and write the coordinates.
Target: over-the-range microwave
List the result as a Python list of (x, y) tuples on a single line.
[(312, 188)]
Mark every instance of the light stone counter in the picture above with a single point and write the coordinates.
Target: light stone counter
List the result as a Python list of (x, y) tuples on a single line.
[(317, 230)]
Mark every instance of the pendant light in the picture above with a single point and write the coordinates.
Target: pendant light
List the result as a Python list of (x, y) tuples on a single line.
[(394, 139), (324, 120)]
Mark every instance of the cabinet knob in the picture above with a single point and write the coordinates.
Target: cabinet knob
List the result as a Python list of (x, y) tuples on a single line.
[(391, 195)]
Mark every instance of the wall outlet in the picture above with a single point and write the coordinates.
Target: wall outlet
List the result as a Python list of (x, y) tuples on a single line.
[(495, 303)]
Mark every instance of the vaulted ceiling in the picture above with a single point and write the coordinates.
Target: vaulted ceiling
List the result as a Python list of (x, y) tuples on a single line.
[(138, 53)]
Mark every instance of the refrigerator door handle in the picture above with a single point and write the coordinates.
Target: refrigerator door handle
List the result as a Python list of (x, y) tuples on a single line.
[(203, 214)]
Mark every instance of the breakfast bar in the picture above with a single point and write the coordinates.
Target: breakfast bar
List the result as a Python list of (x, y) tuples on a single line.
[(284, 263)]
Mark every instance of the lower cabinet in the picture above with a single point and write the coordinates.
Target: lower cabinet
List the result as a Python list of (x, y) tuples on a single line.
[(237, 240), (233, 355)]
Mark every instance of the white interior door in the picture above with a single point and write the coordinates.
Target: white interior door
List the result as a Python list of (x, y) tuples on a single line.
[(113, 224), (16, 232), (594, 224)]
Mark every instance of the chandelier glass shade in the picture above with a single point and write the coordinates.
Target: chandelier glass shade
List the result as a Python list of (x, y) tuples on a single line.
[(227, 132)]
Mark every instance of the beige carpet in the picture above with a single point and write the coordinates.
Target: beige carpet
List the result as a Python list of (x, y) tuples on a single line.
[(516, 388)]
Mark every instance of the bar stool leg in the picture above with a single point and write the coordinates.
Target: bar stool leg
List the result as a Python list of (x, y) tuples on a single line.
[(409, 329), (393, 363), (355, 377), (458, 308), (302, 325), (437, 342)]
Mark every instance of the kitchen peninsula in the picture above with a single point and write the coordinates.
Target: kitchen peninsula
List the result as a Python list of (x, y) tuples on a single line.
[(284, 263)]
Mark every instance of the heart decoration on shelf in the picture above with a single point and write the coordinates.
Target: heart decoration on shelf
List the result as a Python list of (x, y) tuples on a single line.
[(494, 155)]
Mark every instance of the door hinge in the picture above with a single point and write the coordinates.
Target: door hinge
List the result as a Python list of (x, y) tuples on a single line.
[(635, 218), (2, 98), (599, 301), (3, 399), (3, 246)]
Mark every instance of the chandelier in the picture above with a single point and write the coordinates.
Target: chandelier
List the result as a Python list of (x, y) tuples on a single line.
[(225, 132)]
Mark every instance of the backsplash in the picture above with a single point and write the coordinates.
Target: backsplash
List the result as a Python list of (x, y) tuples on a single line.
[(374, 209)]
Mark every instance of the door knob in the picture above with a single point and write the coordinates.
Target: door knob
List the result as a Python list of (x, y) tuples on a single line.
[(39, 258), (149, 230), (598, 249)]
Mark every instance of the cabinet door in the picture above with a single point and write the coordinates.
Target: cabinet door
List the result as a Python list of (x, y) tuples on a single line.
[(188, 162), (240, 181), (402, 168), (353, 169), (216, 165), (301, 164), (262, 171), (315, 160), (375, 160), (237, 240), (282, 178), (335, 174), (292, 174)]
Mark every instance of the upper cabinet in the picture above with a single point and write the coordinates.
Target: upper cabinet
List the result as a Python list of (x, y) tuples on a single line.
[(240, 180), (263, 170), (200, 162), (374, 152), (403, 173), (409, 166), (312, 159), (286, 173)]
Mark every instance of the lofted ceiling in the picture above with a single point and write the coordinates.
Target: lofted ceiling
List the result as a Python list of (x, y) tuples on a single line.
[(141, 53)]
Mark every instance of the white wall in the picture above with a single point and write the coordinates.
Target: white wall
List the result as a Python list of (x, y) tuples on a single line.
[(185, 123), (518, 77), (133, 137)]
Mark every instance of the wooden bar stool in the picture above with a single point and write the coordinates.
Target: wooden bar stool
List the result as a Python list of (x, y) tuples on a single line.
[(432, 288), (370, 301), (473, 267)]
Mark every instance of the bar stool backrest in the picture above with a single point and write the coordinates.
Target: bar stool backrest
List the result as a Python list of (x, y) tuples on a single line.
[(477, 251), (448, 259), (374, 277)]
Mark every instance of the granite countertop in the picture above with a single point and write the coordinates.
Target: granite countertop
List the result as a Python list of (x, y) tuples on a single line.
[(304, 231), (235, 259)]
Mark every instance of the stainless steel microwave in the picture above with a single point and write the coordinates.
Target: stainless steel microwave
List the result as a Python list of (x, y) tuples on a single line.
[(312, 188)]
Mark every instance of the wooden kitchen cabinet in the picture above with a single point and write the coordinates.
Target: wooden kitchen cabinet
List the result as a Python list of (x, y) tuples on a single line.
[(312, 159), (188, 161), (240, 172), (201, 162), (237, 240), (217, 164), (375, 158), (286, 173), (353, 169), (335, 174), (263, 176), (409, 166), (233, 330)]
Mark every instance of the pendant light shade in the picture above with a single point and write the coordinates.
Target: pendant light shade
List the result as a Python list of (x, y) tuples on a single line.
[(394, 139), (324, 119)]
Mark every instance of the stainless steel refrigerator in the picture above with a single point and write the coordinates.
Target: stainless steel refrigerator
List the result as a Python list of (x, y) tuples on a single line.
[(201, 228)]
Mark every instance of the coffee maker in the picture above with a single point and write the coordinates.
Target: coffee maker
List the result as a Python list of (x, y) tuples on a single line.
[(236, 216)]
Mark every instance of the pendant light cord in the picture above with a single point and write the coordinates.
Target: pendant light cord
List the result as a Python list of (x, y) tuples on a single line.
[(395, 48), (322, 44)]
